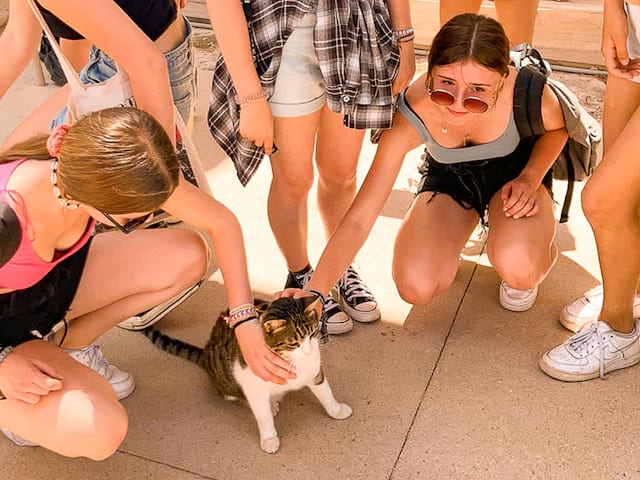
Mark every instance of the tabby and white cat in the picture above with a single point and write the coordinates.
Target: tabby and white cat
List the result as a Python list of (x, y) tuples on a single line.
[(291, 329)]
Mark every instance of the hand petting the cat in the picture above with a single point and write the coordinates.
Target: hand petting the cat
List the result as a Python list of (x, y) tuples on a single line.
[(266, 364)]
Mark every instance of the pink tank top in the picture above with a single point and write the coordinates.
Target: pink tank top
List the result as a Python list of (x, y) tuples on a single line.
[(26, 268)]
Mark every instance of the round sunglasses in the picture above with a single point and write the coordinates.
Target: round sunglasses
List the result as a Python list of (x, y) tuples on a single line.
[(445, 98)]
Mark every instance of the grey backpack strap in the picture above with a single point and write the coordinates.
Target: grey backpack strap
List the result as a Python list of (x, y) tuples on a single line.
[(10, 233), (412, 118)]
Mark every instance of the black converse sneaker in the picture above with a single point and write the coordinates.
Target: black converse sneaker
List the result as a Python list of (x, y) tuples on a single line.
[(333, 317), (356, 298)]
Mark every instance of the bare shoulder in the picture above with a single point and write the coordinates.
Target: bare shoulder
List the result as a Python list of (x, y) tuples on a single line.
[(552, 115)]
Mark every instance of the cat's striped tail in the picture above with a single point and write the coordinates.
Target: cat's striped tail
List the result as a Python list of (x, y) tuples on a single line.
[(174, 346)]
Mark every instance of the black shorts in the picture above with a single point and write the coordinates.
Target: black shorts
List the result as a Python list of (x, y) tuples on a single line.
[(32, 312), (473, 184)]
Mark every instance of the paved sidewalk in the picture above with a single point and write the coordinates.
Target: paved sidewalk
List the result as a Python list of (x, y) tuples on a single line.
[(449, 391)]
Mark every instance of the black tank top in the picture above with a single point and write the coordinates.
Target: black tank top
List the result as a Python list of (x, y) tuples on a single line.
[(152, 16)]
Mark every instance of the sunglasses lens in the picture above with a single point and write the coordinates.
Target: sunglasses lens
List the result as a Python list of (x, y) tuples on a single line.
[(442, 98), (475, 105)]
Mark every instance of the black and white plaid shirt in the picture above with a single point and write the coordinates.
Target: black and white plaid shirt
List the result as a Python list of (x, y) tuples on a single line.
[(358, 58)]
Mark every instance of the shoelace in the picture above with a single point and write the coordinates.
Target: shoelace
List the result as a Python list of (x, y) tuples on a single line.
[(352, 286), (93, 357), (580, 342)]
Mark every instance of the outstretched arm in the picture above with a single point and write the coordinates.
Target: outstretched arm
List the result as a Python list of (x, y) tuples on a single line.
[(209, 215), (355, 226)]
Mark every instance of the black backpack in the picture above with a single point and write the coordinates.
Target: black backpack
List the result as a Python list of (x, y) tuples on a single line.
[(10, 233), (582, 152)]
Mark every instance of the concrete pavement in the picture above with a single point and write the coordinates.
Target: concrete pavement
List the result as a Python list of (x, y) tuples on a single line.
[(448, 391)]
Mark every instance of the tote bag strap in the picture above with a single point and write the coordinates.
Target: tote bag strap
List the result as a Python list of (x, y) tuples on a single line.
[(192, 153)]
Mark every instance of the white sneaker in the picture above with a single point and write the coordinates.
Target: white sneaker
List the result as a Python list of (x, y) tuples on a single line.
[(21, 442), (92, 357), (586, 309), (592, 353), (155, 314), (517, 300), (356, 299)]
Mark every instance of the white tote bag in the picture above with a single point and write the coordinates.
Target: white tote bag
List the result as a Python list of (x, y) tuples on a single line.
[(87, 98)]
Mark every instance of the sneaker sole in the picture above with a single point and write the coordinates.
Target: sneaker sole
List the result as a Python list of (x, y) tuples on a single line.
[(125, 393), (157, 315), (572, 325), (362, 317), (581, 377), (339, 328), (358, 316), (516, 308)]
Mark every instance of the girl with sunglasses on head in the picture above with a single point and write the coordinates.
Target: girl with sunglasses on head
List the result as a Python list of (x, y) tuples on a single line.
[(63, 287), (476, 164)]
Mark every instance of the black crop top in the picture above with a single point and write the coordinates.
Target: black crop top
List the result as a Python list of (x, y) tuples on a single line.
[(152, 16)]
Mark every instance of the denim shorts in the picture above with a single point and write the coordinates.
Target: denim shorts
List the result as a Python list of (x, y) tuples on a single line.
[(299, 89), (33, 312), (182, 75), (633, 37)]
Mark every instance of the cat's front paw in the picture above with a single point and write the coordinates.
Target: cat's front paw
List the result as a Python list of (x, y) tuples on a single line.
[(270, 445), (275, 407), (341, 411)]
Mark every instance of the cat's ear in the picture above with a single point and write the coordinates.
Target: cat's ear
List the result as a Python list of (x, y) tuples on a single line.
[(272, 326), (310, 304)]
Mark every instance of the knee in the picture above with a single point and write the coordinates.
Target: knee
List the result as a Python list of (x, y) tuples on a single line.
[(518, 267), (420, 287), (195, 256), (600, 206), (294, 187), (99, 426), (113, 430), (337, 178)]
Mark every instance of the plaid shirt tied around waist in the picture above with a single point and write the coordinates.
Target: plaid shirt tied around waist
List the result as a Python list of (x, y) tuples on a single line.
[(358, 57)]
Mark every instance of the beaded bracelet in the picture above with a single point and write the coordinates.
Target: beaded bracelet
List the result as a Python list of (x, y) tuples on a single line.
[(256, 97), (4, 352), (240, 313), (404, 35)]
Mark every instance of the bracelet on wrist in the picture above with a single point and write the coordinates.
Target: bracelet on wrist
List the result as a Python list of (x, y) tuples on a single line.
[(241, 313), (317, 294), (255, 97), (244, 320), (403, 32), (4, 353), (406, 38)]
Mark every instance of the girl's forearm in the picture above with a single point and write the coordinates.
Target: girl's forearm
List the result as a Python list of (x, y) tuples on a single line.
[(232, 34)]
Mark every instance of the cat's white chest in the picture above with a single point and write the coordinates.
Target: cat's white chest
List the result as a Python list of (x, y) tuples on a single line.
[(306, 360)]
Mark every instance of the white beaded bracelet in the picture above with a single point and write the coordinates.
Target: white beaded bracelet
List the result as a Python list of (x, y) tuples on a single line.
[(4, 353)]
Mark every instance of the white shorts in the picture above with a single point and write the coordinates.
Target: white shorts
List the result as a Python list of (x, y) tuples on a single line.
[(299, 89)]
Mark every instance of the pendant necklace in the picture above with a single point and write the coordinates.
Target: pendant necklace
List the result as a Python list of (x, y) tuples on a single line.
[(444, 129)]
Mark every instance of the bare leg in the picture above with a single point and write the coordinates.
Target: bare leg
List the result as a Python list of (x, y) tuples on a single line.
[(84, 419), (337, 153), (522, 250), (427, 249), (123, 276), (292, 169), (451, 8), (518, 17), (611, 202)]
